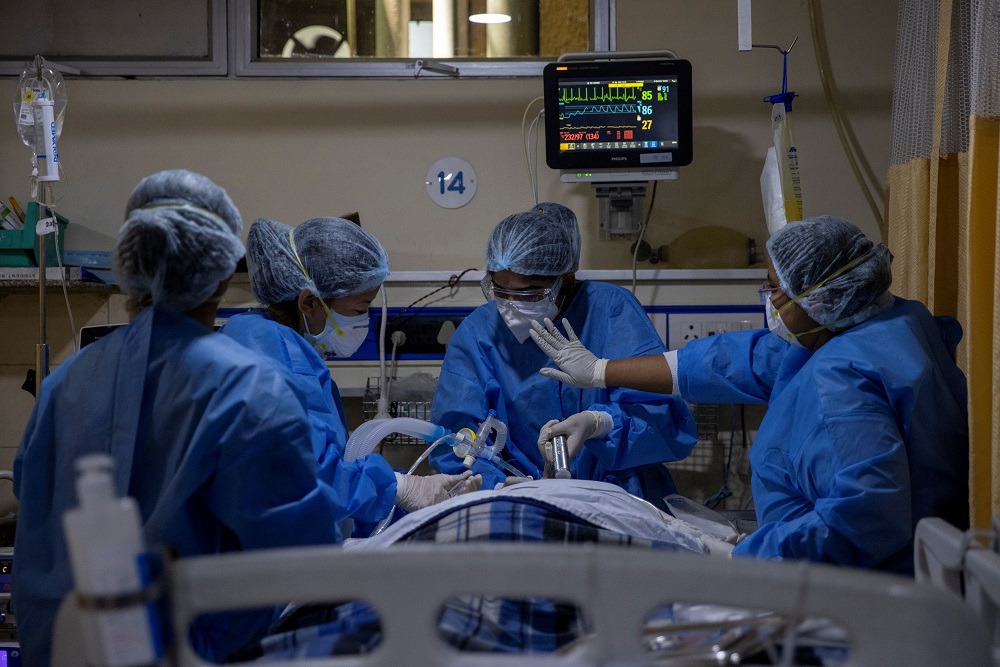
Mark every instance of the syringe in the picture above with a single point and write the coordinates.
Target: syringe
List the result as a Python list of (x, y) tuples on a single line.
[(560, 458)]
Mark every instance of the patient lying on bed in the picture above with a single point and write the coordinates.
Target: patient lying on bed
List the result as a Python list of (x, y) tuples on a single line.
[(553, 511)]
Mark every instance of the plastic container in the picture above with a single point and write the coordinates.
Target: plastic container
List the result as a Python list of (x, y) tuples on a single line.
[(20, 247), (110, 573)]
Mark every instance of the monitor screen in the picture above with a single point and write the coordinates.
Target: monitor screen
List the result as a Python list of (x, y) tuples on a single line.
[(617, 114)]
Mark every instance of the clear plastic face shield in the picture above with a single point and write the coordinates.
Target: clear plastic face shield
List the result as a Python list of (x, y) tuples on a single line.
[(519, 308), (492, 291)]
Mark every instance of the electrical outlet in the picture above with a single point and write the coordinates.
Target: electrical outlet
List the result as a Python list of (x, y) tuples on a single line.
[(682, 328)]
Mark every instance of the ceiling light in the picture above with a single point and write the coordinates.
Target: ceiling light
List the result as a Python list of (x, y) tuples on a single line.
[(489, 18)]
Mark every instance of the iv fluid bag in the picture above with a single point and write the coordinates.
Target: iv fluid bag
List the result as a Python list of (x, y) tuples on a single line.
[(30, 87), (788, 162)]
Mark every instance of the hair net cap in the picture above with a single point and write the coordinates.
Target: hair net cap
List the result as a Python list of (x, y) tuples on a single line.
[(339, 257), (180, 240), (543, 241), (806, 254)]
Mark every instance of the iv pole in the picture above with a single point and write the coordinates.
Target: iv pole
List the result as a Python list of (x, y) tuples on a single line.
[(40, 92)]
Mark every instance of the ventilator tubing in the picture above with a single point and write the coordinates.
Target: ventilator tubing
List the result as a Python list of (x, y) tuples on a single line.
[(366, 437)]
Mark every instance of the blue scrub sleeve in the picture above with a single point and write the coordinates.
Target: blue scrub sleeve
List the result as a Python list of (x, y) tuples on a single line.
[(265, 488), (736, 367), (648, 428), (858, 469), (462, 401), (367, 484)]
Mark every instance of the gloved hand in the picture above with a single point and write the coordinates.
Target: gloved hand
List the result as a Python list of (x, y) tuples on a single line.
[(578, 429), (579, 366), (414, 492)]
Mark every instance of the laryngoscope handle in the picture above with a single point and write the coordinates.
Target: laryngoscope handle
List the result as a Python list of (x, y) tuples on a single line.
[(560, 457)]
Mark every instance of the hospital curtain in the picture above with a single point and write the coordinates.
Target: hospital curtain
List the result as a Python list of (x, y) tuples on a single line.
[(943, 200)]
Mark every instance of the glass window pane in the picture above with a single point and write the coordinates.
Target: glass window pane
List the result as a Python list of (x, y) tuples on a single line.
[(141, 29), (403, 29)]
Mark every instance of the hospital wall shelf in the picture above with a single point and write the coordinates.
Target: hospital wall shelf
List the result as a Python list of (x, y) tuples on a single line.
[(19, 286), (23, 287)]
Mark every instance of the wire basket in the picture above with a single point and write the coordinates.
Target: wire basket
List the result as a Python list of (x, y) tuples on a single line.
[(414, 409), (706, 418)]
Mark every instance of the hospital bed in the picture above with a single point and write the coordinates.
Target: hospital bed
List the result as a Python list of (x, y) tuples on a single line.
[(888, 620), (964, 563)]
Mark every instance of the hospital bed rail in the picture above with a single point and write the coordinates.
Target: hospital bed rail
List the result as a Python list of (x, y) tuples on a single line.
[(965, 563), (889, 620)]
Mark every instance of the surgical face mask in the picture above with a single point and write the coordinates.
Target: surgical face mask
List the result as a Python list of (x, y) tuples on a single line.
[(341, 336), (520, 314), (778, 326)]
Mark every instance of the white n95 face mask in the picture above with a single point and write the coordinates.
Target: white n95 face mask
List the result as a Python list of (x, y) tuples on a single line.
[(778, 326), (341, 336), (520, 314)]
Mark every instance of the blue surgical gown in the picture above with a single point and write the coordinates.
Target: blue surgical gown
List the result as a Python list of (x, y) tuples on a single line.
[(862, 438), (211, 441), (367, 486), (485, 367)]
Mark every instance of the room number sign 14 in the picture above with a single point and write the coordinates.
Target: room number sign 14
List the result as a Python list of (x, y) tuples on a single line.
[(451, 182)]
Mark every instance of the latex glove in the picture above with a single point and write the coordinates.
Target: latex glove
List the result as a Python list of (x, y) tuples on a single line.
[(578, 429), (414, 492), (579, 367)]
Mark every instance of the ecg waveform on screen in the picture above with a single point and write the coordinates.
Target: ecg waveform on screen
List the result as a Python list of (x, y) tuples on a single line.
[(612, 93)]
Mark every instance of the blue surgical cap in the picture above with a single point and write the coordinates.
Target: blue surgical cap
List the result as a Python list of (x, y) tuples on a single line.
[(543, 241), (180, 240), (339, 257), (853, 273)]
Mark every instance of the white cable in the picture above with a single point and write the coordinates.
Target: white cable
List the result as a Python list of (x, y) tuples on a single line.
[(524, 141), (423, 455), (533, 166), (62, 279), (62, 271), (383, 388), (642, 232)]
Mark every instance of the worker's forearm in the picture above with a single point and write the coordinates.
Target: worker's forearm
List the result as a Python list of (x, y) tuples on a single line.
[(650, 373)]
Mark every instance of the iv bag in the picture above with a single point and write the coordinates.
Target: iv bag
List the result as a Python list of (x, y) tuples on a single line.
[(788, 162), (31, 86)]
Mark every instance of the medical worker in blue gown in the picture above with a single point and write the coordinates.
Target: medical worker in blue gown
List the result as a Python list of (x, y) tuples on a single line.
[(615, 435), (211, 440), (316, 282), (866, 431)]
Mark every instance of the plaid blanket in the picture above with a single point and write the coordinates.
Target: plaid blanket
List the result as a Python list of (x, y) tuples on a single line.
[(471, 623)]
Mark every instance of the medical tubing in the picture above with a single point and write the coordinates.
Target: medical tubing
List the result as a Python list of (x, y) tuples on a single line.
[(383, 383), (526, 141), (501, 430), (366, 437), (845, 131), (388, 517), (506, 466)]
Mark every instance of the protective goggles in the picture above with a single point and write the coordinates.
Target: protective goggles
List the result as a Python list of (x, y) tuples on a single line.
[(493, 291), (765, 290)]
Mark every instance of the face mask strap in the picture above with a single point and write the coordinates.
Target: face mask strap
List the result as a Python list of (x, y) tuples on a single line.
[(302, 267), (833, 275)]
